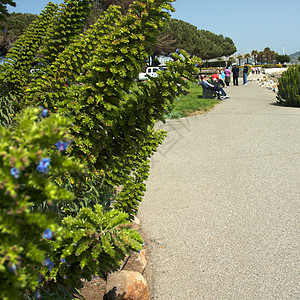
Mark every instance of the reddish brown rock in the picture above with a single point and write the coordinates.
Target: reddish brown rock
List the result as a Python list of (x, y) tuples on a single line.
[(126, 285), (136, 262)]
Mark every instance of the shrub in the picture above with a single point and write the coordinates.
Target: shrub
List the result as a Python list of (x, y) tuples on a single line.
[(92, 243), (90, 79), (289, 87), (25, 164)]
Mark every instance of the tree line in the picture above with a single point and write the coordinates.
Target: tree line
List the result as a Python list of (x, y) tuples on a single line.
[(176, 34), (266, 56)]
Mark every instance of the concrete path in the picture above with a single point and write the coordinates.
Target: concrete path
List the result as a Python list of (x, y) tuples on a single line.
[(221, 212)]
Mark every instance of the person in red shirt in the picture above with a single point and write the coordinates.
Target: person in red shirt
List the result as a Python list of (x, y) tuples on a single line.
[(217, 79)]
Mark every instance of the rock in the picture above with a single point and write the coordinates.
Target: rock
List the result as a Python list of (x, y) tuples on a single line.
[(126, 285), (136, 262), (136, 223)]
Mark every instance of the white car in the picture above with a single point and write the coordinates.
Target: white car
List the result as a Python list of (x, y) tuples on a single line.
[(150, 72)]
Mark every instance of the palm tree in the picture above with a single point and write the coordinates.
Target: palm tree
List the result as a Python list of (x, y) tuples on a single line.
[(247, 56), (260, 57), (231, 59), (267, 52), (240, 57), (254, 54)]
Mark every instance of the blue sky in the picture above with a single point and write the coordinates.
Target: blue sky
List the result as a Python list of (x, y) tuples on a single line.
[(252, 25)]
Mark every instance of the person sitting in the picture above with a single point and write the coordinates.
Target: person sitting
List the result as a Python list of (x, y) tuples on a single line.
[(218, 89), (216, 78)]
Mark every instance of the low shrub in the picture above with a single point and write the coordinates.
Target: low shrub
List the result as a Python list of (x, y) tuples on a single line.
[(289, 87)]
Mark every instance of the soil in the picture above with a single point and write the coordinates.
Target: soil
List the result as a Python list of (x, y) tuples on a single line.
[(94, 289)]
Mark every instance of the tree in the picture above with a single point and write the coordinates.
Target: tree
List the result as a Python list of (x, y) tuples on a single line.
[(240, 57), (166, 44), (105, 4), (282, 58), (269, 55), (3, 8), (254, 54), (231, 60), (247, 56), (13, 27), (201, 43)]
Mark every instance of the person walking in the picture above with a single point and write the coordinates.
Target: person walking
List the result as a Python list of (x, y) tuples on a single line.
[(235, 74), (227, 73), (245, 74)]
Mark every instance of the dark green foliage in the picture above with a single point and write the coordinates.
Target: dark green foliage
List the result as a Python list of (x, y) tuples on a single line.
[(6, 110), (20, 59), (13, 28), (93, 242), (3, 8), (202, 43), (289, 87), (282, 58)]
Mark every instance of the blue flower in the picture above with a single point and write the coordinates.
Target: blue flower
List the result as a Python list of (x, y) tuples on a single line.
[(44, 112), (37, 295), (47, 262), (62, 260), (61, 146), (13, 268), (47, 234), (177, 50), (50, 267), (43, 166), (15, 172)]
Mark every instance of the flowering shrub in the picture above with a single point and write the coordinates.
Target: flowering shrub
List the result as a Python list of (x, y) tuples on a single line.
[(25, 162), (88, 77)]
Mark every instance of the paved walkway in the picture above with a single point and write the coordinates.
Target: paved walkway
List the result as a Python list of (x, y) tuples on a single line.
[(221, 212)]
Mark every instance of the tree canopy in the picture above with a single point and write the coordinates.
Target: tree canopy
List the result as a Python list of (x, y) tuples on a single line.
[(202, 43), (182, 35), (3, 8), (13, 27), (282, 58)]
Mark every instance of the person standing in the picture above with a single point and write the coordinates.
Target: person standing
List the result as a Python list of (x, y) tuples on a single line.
[(235, 74), (258, 70), (245, 74), (227, 73)]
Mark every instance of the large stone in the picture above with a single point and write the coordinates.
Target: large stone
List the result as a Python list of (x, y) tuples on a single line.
[(126, 285), (136, 262)]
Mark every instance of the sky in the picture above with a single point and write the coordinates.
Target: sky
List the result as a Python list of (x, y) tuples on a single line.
[(252, 25)]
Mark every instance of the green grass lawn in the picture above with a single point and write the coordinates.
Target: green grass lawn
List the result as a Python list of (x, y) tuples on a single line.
[(191, 104)]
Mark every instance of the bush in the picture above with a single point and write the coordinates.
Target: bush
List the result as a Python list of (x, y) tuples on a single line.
[(289, 87), (26, 161), (89, 78), (92, 243)]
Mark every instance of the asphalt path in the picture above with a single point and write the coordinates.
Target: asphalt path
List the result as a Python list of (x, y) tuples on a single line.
[(221, 212)]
